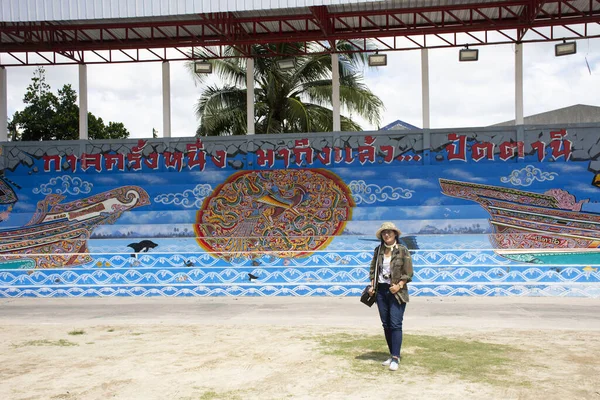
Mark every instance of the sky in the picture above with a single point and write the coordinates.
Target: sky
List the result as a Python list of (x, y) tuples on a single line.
[(462, 94)]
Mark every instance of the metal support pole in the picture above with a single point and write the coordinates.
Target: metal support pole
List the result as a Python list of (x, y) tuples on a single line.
[(425, 87), (335, 95), (250, 95), (3, 106), (83, 102), (519, 120), (166, 95)]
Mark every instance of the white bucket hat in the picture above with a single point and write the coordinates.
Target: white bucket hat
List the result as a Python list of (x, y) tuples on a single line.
[(387, 226)]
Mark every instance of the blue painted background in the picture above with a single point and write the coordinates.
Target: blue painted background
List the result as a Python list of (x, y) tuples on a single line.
[(389, 176)]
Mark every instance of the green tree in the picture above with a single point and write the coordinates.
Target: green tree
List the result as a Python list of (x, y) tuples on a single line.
[(47, 116), (296, 100)]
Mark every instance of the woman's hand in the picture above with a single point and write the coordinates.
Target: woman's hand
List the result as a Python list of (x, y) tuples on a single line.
[(371, 290), (396, 288)]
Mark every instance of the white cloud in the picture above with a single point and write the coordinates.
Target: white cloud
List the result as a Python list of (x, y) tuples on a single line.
[(415, 183), (188, 198), (463, 175), (65, 184), (568, 168), (461, 94), (584, 187), (355, 173), (527, 175)]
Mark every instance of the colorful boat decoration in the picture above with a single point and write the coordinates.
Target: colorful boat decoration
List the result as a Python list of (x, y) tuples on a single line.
[(57, 234), (534, 227)]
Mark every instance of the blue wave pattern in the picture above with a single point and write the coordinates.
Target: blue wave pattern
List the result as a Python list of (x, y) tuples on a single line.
[(342, 258), (307, 275)]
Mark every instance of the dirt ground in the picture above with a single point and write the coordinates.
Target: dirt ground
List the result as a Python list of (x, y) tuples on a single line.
[(67, 356)]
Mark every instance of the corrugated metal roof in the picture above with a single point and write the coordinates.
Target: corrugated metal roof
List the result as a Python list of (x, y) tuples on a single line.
[(72, 10)]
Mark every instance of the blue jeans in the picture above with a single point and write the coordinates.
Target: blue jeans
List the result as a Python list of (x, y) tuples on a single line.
[(391, 313)]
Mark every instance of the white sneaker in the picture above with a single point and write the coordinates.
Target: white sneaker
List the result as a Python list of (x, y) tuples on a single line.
[(387, 362), (394, 365)]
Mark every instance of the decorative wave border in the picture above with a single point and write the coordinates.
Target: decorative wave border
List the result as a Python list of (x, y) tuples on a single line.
[(309, 276)]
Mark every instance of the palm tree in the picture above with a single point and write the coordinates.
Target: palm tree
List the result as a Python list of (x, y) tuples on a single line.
[(295, 100)]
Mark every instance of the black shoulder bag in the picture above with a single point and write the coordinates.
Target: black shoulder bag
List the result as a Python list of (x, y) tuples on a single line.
[(365, 297)]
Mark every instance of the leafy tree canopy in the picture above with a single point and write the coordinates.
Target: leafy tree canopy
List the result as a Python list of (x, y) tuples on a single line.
[(56, 117), (295, 100)]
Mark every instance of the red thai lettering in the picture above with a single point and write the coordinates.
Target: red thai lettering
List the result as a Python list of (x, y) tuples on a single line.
[(286, 154), (389, 153), (48, 160), (539, 146), (458, 149), (140, 146), (302, 148), (325, 155), (507, 150), (72, 161), (480, 150), (134, 161), (343, 154), (560, 146), (367, 152), (173, 160), (195, 155), (151, 161), (219, 158), (111, 159), (91, 160), (265, 158)]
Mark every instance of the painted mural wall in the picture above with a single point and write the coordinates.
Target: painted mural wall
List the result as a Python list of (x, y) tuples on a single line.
[(485, 212)]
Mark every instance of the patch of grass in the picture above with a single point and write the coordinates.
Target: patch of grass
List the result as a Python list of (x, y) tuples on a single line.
[(468, 360), (46, 342), (111, 330), (212, 395), (77, 332)]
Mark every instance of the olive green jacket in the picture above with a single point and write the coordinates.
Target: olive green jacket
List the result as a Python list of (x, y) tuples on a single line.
[(400, 266)]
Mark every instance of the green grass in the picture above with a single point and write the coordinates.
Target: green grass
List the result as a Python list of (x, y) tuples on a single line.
[(218, 396), (46, 342), (77, 332), (468, 360)]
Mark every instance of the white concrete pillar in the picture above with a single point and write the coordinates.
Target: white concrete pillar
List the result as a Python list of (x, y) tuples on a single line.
[(335, 95), (425, 87), (166, 96), (250, 95), (519, 120), (83, 102), (3, 106)]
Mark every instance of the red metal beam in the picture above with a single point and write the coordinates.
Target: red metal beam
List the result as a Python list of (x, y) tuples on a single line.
[(225, 29)]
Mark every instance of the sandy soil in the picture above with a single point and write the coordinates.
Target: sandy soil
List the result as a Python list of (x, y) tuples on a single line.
[(169, 360)]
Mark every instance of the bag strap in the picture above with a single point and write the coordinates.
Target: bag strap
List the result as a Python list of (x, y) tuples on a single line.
[(376, 276)]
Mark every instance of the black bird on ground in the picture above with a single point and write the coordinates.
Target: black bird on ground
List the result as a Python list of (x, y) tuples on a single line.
[(144, 246), (252, 277), (189, 263)]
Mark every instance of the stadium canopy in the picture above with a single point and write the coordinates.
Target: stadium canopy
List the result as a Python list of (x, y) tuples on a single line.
[(62, 32), (48, 32)]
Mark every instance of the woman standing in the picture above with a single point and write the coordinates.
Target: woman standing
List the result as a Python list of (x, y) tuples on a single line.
[(391, 270)]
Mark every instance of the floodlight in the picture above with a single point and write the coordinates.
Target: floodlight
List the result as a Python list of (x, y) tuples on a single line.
[(565, 48), (202, 67), (468, 54), (377, 60), (286, 64)]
